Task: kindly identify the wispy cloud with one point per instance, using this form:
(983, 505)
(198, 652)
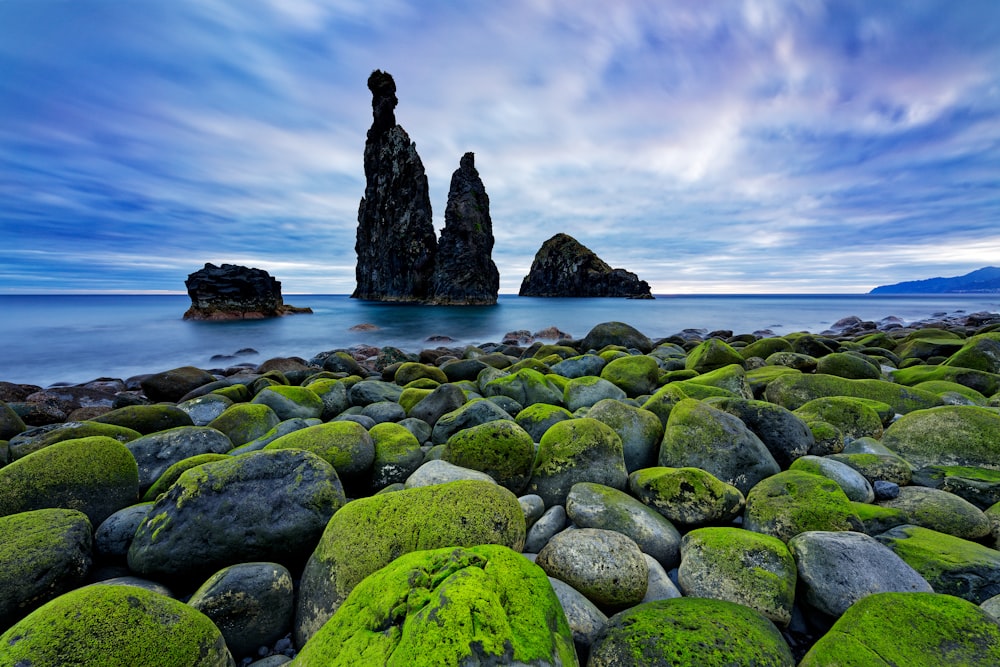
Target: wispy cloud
(756, 146)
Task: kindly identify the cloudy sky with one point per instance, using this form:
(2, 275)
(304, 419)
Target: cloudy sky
(754, 146)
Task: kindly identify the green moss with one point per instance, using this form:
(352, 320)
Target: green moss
(663, 401)
(525, 386)
(171, 474)
(700, 391)
(794, 502)
(447, 606)
(566, 441)
(940, 387)
(876, 519)
(635, 374)
(731, 378)
(563, 351)
(712, 354)
(874, 467)
(542, 365)
(73, 431)
(411, 396)
(345, 445)
(146, 418)
(501, 449)
(985, 383)
(963, 435)
(243, 422)
(111, 626)
(237, 393)
(854, 418)
(536, 419)
(688, 496)
(409, 371)
(914, 629)
(765, 347)
(422, 383)
(793, 391)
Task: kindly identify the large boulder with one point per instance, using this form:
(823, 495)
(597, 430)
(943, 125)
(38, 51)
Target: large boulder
(114, 626)
(953, 435)
(616, 333)
(345, 445)
(172, 385)
(640, 430)
(269, 506)
(688, 496)
(563, 267)
(40, 437)
(606, 566)
(156, 452)
(479, 605)
(368, 533)
(793, 502)
(794, 390)
(500, 448)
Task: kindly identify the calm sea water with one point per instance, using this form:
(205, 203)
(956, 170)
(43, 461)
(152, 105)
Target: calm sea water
(76, 338)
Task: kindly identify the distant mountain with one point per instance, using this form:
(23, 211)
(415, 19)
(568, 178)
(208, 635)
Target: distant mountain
(981, 281)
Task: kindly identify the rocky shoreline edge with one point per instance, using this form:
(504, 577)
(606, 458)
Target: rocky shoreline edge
(708, 498)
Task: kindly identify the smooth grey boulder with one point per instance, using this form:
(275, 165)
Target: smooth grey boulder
(576, 367)
(384, 411)
(852, 482)
(439, 471)
(551, 523)
(592, 505)
(533, 507)
(838, 568)
(367, 392)
(252, 604)
(442, 400)
(156, 452)
(700, 436)
(658, 584)
(283, 428)
(268, 505)
(289, 402)
(640, 430)
(607, 567)
(203, 409)
(783, 432)
(113, 537)
(584, 618)
(941, 511)
(583, 392)
(333, 393)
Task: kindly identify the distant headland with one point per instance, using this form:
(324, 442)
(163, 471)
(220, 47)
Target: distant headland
(981, 281)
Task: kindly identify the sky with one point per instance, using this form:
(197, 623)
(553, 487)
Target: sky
(755, 146)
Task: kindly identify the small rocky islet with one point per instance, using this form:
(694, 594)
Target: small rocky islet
(709, 498)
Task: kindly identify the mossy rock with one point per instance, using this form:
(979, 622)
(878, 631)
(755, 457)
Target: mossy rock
(711, 355)
(616, 333)
(37, 438)
(913, 629)
(635, 374)
(369, 533)
(283, 428)
(765, 347)
(476, 411)
(689, 631)
(345, 445)
(243, 422)
(501, 449)
(579, 366)
(961, 435)
(941, 511)
(703, 391)
(759, 378)
(944, 388)
(237, 393)
(577, 450)
(783, 432)
(11, 423)
(146, 418)
(740, 566)
(639, 429)
(45, 553)
(397, 454)
(535, 364)
(525, 386)
(664, 400)
(536, 419)
(986, 384)
(981, 353)
(875, 467)
(203, 409)
(114, 626)
(928, 345)
(333, 393)
(450, 606)
(732, 378)
(156, 452)
(171, 474)
(290, 402)
(794, 391)
(410, 371)
(96, 475)
(700, 436)
(979, 486)
(411, 396)
(792, 360)
(851, 365)
(793, 502)
(852, 482)
(687, 496)
(950, 564)
(854, 418)
(876, 519)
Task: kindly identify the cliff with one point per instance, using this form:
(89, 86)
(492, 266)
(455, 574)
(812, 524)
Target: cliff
(563, 267)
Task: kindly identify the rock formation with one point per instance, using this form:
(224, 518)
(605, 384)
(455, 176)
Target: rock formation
(464, 272)
(395, 241)
(563, 267)
(231, 292)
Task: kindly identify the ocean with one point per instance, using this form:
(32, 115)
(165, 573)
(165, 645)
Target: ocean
(51, 339)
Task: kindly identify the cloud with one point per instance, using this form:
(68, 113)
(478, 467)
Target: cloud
(741, 146)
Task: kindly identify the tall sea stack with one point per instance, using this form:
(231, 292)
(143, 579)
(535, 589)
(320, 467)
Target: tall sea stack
(395, 244)
(465, 273)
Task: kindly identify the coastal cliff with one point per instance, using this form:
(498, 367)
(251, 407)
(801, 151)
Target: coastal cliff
(563, 267)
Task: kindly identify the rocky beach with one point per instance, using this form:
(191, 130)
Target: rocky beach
(706, 498)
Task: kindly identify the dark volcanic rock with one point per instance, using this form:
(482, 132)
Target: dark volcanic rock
(231, 292)
(465, 273)
(564, 267)
(395, 243)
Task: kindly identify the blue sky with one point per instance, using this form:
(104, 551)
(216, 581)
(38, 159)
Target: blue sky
(749, 146)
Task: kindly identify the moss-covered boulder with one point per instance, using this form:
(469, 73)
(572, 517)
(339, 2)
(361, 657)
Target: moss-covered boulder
(146, 418)
(783, 432)
(663, 401)
(39, 437)
(953, 393)
(172, 385)
(793, 502)
(450, 606)
(370, 391)
(203, 409)
(689, 631)
(289, 401)
(476, 411)
(592, 505)
(876, 466)
(615, 333)
(731, 378)
(687, 496)
(333, 394)
(700, 436)
(156, 452)
(114, 626)
(96, 475)
(583, 392)
(635, 374)
(435, 403)
(981, 353)
(793, 391)
(45, 553)
(916, 629)
(765, 347)
(577, 450)
(11, 423)
(950, 564)
(941, 511)
(985, 383)
(243, 422)
(269, 505)
(640, 430)
(962, 435)
(252, 604)
(171, 474)
(605, 565)
(397, 454)
(536, 419)
(368, 533)
(501, 449)
(931, 343)
(740, 566)
(851, 365)
(345, 445)
(526, 386)
(853, 417)
(712, 354)
(409, 371)
(979, 486)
